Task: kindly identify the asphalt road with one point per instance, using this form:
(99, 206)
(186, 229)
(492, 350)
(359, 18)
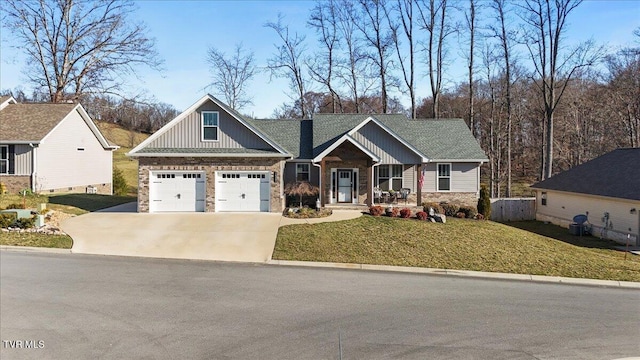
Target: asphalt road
(69, 306)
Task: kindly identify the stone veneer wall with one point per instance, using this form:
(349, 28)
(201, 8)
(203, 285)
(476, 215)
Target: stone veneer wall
(209, 166)
(16, 183)
(462, 198)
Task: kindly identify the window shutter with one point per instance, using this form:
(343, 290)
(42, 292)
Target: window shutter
(12, 159)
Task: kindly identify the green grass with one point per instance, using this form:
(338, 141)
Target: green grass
(458, 244)
(36, 240)
(76, 204)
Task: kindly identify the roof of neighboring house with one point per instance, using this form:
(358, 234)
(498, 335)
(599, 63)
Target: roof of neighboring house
(615, 174)
(4, 98)
(31, 122)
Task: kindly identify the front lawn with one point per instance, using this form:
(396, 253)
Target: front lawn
(36, 240)
(76, 204)
(458, 244)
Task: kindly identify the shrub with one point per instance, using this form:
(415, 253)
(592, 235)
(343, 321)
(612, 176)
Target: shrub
(484, 203)
(119, 183)
(376, 210)
(469, 211)
(436, 207)
(421, 215)
(26, 223)
(405, 213)
(7, 219)
(460, 215)
(15, 206)
(479, 217)
(449, 209)
(395, 212)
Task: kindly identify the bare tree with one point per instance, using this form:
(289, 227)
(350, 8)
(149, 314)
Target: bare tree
(554, 64)
(434, 19)
(378, 38)
(324, 19)
(287, 62)
(76, 47)
(404, 10)
(471, 21)
(505, 38)
(231, 75)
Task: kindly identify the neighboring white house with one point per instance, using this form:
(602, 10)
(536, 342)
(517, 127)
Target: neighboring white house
(210, 158)
(52, 148)
(606, 189)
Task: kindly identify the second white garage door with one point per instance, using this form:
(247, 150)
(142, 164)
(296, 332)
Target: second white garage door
(242, 191)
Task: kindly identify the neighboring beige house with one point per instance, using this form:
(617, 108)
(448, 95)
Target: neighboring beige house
(51, 148)
(210, 158)
(606, 189)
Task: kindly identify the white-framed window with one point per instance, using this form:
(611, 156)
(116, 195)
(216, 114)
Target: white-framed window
(209, 126)
(4, 159)
(302, 172)
(444, 177)
(543, 198)
(389, 177)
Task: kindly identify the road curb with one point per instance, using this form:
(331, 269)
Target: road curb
(463, 273)
(34, 249)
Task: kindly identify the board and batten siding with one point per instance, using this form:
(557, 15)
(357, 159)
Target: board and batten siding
(385, 146)
(60, 163)
(231, 133)
(290, 172)
(561, 207)
(22, 159)
(464, 177)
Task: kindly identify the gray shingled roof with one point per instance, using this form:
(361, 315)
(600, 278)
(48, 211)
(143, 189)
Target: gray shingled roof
(615, 174)
(31, 122)
(292, 135)
(148, 150)
(441, 139)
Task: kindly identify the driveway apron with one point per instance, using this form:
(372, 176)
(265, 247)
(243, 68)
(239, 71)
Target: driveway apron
(245, 237)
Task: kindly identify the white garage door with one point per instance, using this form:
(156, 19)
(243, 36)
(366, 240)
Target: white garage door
(176, 191)
(242, 191)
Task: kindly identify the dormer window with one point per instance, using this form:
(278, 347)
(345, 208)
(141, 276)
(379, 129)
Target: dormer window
(209, 128)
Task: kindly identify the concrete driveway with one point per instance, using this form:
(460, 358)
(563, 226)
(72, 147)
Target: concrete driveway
(245, 237)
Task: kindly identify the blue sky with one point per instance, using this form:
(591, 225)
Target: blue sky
(184, 30)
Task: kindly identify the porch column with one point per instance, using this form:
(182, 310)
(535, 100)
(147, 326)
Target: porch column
(322, 182)
(419, 191)
(369, 183)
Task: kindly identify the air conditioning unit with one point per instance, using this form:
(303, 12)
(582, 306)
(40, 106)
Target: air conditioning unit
(92, 190)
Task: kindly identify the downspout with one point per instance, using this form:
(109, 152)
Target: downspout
(33, 167)
(319, 181)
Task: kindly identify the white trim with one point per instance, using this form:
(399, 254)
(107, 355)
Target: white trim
(391, 177)
(438, 177)
(423, 157)
(202, 126)
(355, 182)
(208, 155)
(339, 142)
(5, 103)
(191, 109)
(481, 161)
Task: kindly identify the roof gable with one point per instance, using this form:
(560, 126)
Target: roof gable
(242, 134)
(615, 174)
(32, 123)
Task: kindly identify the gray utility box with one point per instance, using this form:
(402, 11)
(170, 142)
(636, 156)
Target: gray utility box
(577, 229)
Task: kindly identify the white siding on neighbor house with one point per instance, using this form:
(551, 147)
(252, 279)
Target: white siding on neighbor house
(22, 159)
(564, 206)
(59, 163)
(464, 177)
(231, 133)
(385, 146)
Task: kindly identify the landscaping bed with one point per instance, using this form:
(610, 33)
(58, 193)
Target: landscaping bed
(464, 244)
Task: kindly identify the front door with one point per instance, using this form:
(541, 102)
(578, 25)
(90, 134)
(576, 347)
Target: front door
(345, 186)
